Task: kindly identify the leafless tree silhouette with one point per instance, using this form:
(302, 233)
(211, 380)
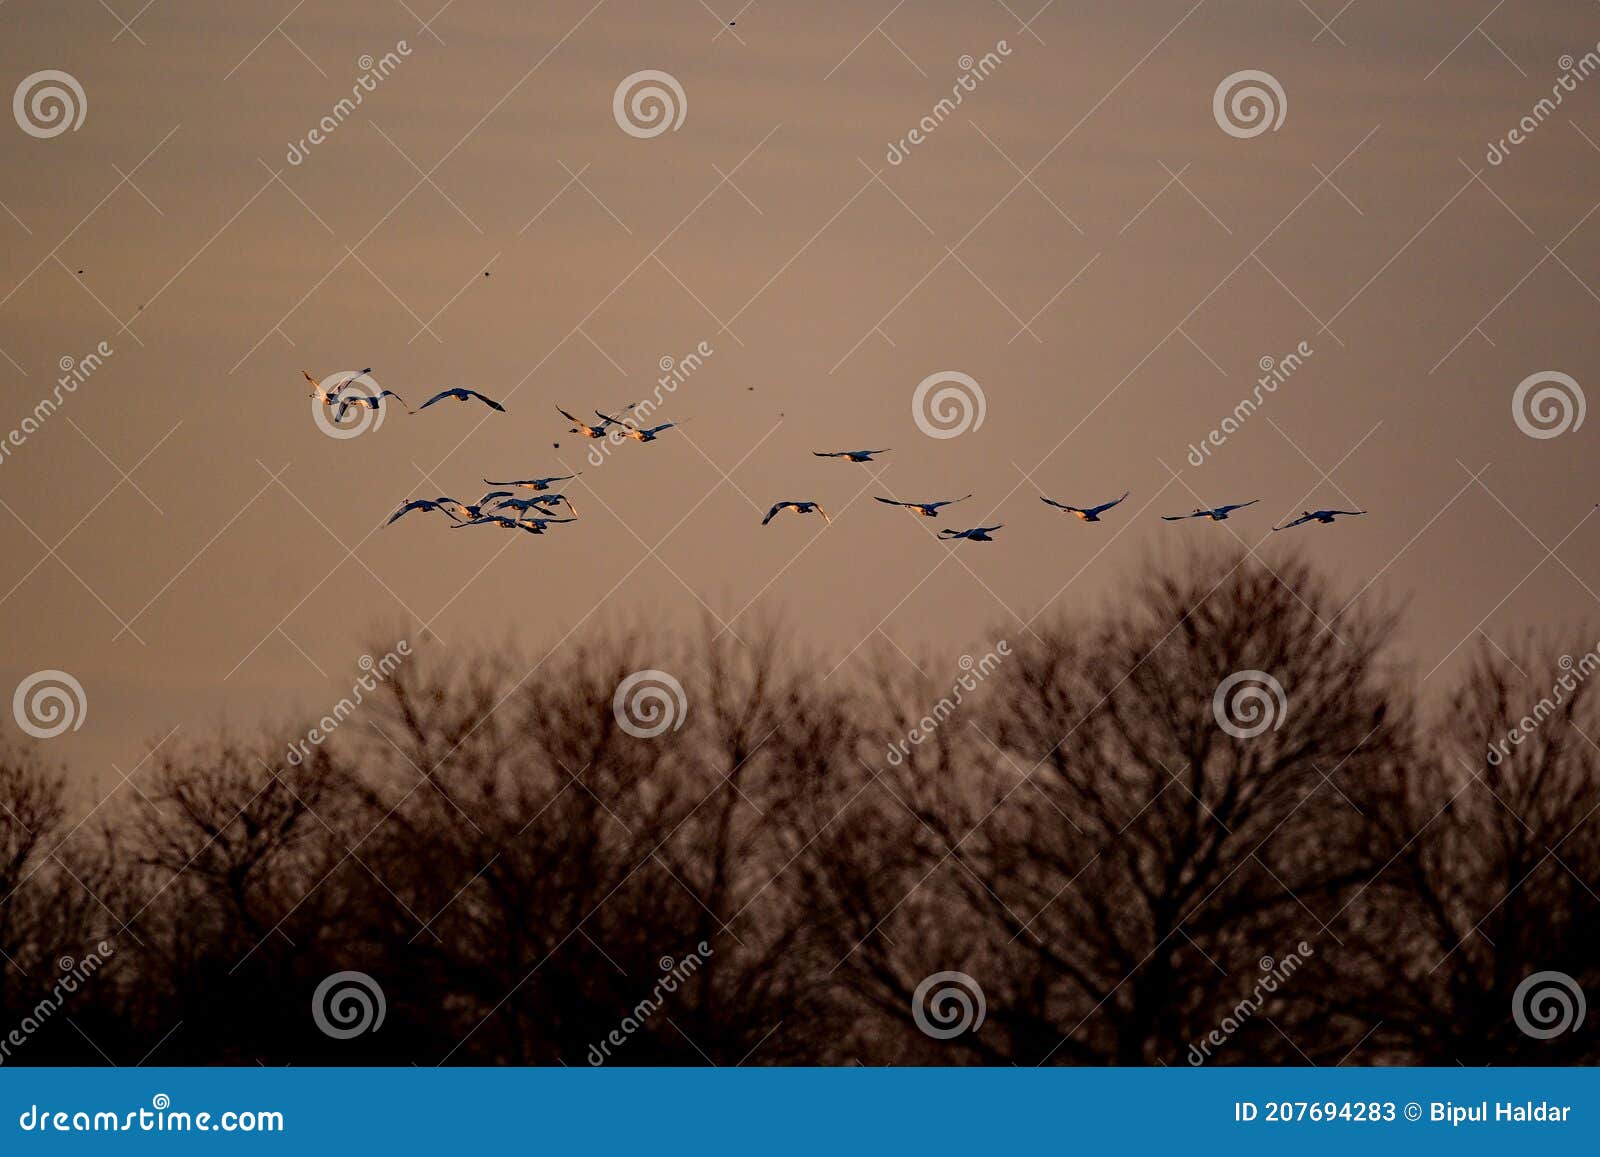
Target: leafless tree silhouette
(1211, 823)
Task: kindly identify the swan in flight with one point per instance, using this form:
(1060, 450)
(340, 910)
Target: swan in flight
(448, 505)
(926, 509)
(1324, 516)
(974, 534)
(322, 394)
(1216, 513)
(531, 525)
(1086, 513)
(371, 401)
(637, 433)
(533, 483)
(581, 427)
(461, 394)
(539, 502)
(851, 455)
(798, 507)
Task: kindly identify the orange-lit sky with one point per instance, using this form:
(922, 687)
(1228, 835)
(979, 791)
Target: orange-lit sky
(1080, 236)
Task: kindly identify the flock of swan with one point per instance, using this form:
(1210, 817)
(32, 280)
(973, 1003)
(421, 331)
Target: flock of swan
(508, 510)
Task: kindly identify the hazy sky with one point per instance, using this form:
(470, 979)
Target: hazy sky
(1080, 236)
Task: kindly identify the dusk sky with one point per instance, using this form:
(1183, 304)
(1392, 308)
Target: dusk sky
(1080, 236)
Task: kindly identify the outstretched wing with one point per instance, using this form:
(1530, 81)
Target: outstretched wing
(1347, 512)
(895, 502)
(439, 397)
(568, 416)
(1294, 522)
(1179, 517)
(773, 513)
(1237, 506)
(487, 401)
(1058, 505)
(831, 453)
(948, 502)
(414, 504)
(1104, 506)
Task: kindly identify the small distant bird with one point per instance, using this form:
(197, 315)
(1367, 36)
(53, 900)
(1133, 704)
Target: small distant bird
(975, 534)
(851, 455)
(926, 509)
(1086, 513)
(798, 508)
(461, 394)
(448, 506)
(1216, 513)
(637, 433)
(371, 401)
(532, 483)
(1325, 516)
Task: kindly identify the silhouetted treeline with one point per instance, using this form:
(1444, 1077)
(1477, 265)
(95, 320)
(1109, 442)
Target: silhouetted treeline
(1367, 869)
